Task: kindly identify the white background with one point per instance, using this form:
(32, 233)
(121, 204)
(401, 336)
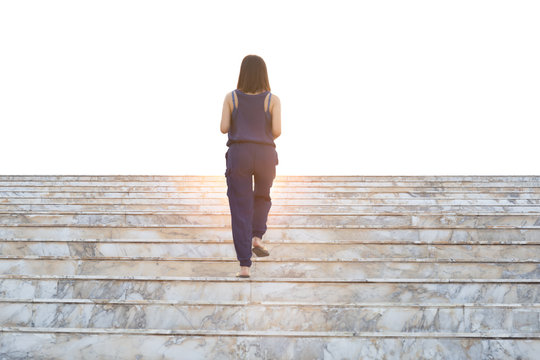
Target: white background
(367, 88)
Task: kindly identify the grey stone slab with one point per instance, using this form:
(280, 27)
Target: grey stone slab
(275, 234)
(290, 220)
(274, 193)
(221, 200)
(276, 208)
(276, 188)
(407, 319)
(292, 182)
(280, 251)
(287, 269)
(267, 289)
(218, 177)
(103, 346)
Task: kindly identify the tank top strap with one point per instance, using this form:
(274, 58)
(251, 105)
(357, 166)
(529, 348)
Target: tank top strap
(268, 106)
(233, 103)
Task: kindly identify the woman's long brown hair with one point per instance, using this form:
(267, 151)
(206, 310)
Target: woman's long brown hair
(253, 75)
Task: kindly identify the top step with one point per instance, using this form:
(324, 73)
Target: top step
(279, 178)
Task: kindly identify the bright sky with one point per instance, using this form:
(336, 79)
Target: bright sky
(367, 87)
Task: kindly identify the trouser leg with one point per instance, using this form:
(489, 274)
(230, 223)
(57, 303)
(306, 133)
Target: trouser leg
(240, 194)
(265, 172)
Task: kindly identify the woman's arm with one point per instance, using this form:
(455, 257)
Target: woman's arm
(226, 114)
(275, 110)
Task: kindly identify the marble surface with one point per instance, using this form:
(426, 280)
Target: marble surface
(278, 191)
(134, 180)
(218, 199)
(91, 346)
(361, 267)
(281, 251)
(275, 233)
(501, 320)
(278, 207)
(269, 289)
(310, 178)
(288, 268)
(294, 194)
(289, 220)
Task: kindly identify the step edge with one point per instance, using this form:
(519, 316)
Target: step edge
(267, 303)
(272, 260)
(266, 333)
(268, 280)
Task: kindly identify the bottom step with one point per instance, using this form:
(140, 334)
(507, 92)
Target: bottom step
(24, 345)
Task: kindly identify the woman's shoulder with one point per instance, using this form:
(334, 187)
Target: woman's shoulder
(235, 91)
(275, 99)
(229, 96)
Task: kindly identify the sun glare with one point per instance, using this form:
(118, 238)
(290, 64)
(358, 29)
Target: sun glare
(416, 87)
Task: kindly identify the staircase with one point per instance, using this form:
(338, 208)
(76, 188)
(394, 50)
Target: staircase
(360, 267)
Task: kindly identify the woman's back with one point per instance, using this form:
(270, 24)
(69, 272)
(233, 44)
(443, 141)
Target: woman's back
(251, 119)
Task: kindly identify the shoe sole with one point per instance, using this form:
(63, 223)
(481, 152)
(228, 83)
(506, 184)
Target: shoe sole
(259, 251)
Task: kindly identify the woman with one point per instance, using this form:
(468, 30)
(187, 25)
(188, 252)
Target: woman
(252, 118)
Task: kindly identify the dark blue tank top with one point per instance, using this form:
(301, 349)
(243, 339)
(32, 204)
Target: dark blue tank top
(250, 121)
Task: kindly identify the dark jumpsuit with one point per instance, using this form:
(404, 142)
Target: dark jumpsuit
(252, 153)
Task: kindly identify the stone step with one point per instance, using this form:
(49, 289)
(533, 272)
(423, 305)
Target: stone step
(269, 333)
(299, 209)
(164, 203)
(307, 178)
(278, 183)
(275, 234)
(54, 314)
(276, 188)
(261, 289)
(279, 250)
(281, 268)
(195, 199)
(276, 211)
(24, 343)
(435, 195)
(168, 219)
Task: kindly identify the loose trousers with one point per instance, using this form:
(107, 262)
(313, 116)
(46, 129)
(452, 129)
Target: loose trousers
(249, 205)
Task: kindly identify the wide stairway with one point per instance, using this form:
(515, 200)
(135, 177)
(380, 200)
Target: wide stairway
(360, 267)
